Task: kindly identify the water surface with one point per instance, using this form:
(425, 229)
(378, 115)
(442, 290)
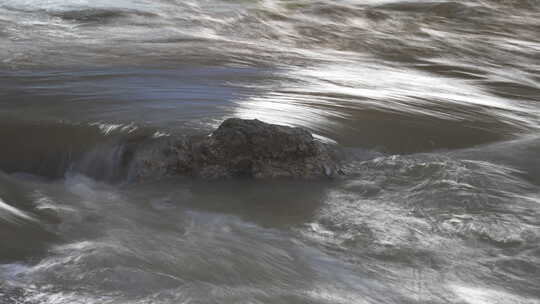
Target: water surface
(434, 102)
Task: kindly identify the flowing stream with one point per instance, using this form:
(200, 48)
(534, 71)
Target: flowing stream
(437, 104)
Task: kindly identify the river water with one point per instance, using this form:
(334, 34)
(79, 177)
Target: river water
(436, 104)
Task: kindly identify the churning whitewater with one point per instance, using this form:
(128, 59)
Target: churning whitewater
(434, 106)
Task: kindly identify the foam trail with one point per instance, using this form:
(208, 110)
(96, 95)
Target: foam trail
(14, 211)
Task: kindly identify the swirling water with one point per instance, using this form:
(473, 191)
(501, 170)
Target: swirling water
(435, 103)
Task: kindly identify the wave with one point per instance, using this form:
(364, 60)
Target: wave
(51, 150)
(261, 31)
(438, 213)
(23, 225)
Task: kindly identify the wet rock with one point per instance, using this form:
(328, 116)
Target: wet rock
(239, 148)
(161, 157)
(256, 149)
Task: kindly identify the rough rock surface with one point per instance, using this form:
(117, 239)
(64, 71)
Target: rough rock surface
(238, 148)
(161, 157)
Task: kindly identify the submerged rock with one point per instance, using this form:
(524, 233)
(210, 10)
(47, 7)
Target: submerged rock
(238, 148)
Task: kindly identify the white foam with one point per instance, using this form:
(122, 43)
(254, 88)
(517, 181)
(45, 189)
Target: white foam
(12, 211)
(479, 295)
(59, 5)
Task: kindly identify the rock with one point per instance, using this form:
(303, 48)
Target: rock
(161, 157)
(252, 148)
(238, 148)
